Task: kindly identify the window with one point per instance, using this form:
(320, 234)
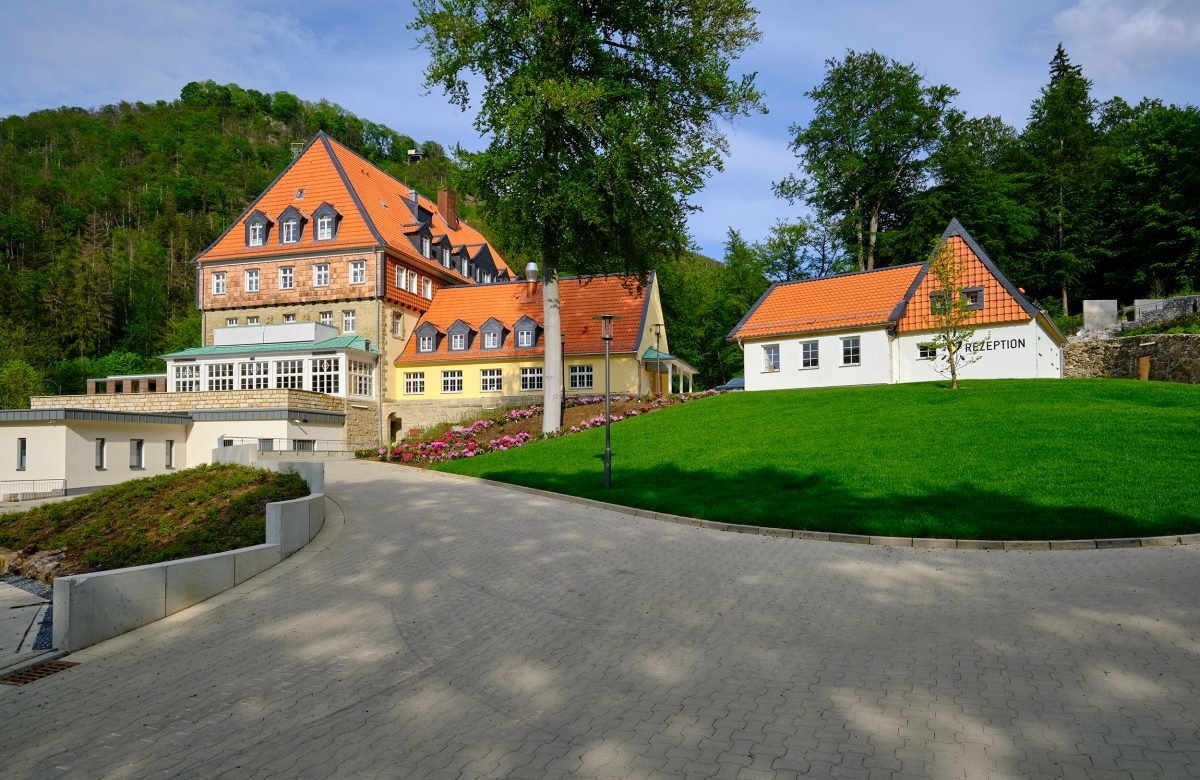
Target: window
(452, 382)
(252, 320)
(426, 288)
(810, 356)
(218, 282)
(581, 377)
(531, 379)
(412, 282)
(220, 376)
(254, 375)
(101, 461)
(458, 341)
(491, 339)
(414, 382)
(22, 453)
(397, 326)
(362, 378)
(851, 354)
(256, 234)
(137, 449)
(425, 245)
(289, 318)
(252, 280)
(321, 275)
(525, 338)
(187, 379)
(290, 231)
(771, 358)
(170, 455)
(326, 375)
(402, 278)
(491, 380)
(358, 272)
(446, 256)
(324, 227)
(231, 322)
(289, 374)
(287, 278)
(348, 321)
(425, 344)
(973, 298)
(326, 318)
(938, 303)
(927, 352)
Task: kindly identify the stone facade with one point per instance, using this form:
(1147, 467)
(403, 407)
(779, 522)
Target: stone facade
(303, 289)
(403, 416)
(164, 403)
(1174, 357)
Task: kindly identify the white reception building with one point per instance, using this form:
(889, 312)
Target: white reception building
(874, 327)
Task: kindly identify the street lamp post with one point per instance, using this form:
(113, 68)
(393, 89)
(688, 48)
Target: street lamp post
(606, 333)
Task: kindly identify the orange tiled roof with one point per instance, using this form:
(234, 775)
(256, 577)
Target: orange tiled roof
(582, 299)
(373, 206)
(850, 300)
(898, 295)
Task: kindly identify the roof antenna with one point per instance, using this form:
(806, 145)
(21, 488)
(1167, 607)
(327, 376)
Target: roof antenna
(297, 147)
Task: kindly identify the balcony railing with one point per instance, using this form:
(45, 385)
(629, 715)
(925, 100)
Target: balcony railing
(27, 489)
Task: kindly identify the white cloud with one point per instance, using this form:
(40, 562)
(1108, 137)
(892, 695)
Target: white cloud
(1117, 40)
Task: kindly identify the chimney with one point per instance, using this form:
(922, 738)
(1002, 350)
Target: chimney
(448, 205)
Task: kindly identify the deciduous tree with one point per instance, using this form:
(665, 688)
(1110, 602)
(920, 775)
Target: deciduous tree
(602, 122)
(951, 313)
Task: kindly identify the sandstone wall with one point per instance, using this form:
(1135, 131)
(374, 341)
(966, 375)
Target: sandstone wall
(1174, 357)
(162, 403)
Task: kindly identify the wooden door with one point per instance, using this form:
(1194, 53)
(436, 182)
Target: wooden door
(1144, 367)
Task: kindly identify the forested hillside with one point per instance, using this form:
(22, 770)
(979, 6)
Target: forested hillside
(101, 210)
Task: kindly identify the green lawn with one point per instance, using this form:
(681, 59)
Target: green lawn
(1014, 459)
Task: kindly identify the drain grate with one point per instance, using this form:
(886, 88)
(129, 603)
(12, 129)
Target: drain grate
(36, 672)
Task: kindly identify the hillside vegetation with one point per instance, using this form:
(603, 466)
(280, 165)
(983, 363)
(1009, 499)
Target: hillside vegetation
(198, 511)
(1005, 459)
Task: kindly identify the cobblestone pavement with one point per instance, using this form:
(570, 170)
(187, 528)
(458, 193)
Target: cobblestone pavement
(452, 629)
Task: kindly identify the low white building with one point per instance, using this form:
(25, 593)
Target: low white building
(875, 327)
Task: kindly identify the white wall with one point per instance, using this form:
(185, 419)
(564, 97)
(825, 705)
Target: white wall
(875, 367)
(1009, 351)
(204, 434)
(1050, 355)
(80, 449)
(44, 450)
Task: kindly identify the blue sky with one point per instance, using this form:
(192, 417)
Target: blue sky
(362, 56)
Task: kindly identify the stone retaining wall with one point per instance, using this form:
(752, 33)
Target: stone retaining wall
(1174, 357)
(161, 403)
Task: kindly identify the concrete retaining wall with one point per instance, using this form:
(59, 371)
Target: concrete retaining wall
(89, 608)
(313, 471)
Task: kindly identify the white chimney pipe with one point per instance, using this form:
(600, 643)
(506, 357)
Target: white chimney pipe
(531, 271)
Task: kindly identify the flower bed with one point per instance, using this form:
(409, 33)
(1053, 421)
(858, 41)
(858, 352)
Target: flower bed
(475, 439)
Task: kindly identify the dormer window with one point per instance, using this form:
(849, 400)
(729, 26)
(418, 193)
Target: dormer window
(290, 232)
(325, 218)
(425, 344)
(425, 246)
(525, 338)
(446, 256)
(258, 227)
(491, 340)
(458, 341)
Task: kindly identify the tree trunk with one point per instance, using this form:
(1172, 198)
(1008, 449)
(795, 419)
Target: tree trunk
(858, 230)
(552, 369)
(874, 231)
(1066, 311)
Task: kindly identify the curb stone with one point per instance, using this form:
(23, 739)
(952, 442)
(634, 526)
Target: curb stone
(1015, 545)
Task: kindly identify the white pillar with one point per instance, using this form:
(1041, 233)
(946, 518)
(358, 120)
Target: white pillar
(670, 379)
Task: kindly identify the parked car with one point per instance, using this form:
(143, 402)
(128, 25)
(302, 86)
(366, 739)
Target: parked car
(737, 383)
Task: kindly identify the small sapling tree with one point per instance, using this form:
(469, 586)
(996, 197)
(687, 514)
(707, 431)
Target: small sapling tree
(952, 309)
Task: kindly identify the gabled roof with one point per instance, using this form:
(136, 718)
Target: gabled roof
(508, 302)
(846, 301)
(897, 296)
(376, 209)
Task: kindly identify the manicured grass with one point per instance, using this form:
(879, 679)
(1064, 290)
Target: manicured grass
(1013, 459)
(198, 511)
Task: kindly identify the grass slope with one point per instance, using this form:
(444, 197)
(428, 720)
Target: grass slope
(198, 511)
(1014, 459)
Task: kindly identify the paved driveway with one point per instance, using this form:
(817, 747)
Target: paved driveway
(452, 629)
